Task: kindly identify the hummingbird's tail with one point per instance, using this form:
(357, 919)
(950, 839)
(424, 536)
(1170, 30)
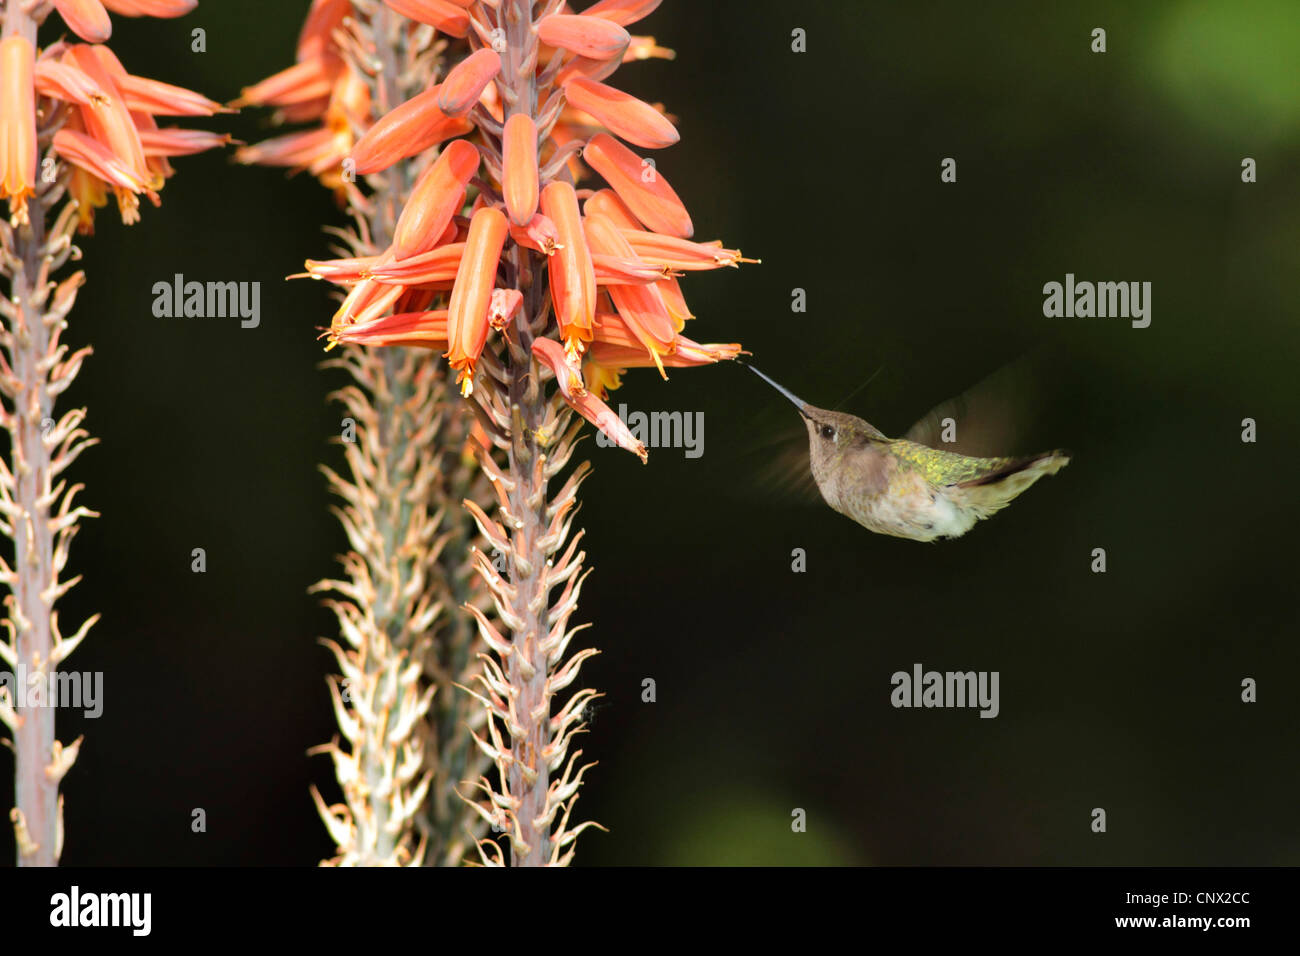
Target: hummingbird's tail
(799, 402)
(994, 490)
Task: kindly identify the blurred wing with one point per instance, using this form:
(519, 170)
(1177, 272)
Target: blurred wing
(788, 476)
(988, 419)
(781, 470)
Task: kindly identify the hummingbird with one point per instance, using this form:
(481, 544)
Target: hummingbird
(903, 488)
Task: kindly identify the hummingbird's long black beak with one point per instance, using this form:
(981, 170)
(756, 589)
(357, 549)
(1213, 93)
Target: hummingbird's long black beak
(799, 403)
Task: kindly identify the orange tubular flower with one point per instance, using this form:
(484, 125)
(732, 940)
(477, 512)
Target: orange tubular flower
(674, 253)
(605, 202)
(435, 266)
(151, 8)
(689, 354)
(624, 270)
(160, 99)
(505, 304)
(519, 164)
(113, 109)
(94, 157)
(61, 81)
(671, 290)
(367, 300)
(447, 16)
(591, 37)
(567, 375)
(316, 39)
(111, 124)
(640, 186)
(617, 346)
(637, 122)
(466, 82)
(338, 270)
(303, 89)
(641, 306)
(573, 277)
(322, 88)
(439, 195)
(109, 116)
(538, 234)
(17, 125)
(86, 18)
(424, 329)
(583, 401)
(411, 128)
(621, 252)
(471, 297)
(173, 141)
(308, 82)
(320, 151)
(622, 12)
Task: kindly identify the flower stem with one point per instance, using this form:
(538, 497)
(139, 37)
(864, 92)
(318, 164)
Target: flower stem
(538, 779)
(408, 567)
(529, 776)
(37, 798)
(38, 514)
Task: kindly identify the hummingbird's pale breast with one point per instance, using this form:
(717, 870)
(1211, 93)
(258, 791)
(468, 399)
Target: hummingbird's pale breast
(871, 486)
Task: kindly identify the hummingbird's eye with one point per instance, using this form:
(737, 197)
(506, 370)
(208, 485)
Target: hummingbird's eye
(828, 432)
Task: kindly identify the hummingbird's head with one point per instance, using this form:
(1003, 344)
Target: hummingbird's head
(831, 435)
(843, 449)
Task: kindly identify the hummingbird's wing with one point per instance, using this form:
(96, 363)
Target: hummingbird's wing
(784, 472)
(986, 419)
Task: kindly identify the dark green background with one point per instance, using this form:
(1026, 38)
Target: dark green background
(1118, 690)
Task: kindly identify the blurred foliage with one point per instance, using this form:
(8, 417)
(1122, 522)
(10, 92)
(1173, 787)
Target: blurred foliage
(744, 828)
(1232, 66)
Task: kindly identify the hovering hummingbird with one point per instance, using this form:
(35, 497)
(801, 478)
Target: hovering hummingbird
(902, 488)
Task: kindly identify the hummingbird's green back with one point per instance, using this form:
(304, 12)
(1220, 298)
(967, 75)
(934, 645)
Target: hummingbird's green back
(942, 468)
